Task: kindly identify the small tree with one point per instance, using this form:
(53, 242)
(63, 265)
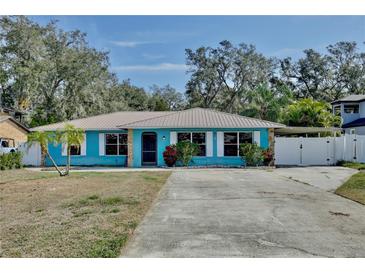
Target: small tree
(44, 139)
(70, 136)
(185, 151)
(252, 154)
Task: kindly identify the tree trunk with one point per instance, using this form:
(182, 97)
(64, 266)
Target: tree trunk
(55, 165)
(68, 159)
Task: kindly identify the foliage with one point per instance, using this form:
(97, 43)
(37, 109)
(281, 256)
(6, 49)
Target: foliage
(267, 103)
(354, 165)
(185, 151)
(327, 76)
(11, 160)
(222, 77)
(166, 98)
(44, 139)
(170, 155)
(252, 154)
(310, 113)
(268, 156)
(70, 136)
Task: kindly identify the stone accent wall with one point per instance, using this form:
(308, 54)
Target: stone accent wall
(130, 147)
(272, 143)
(8, 129)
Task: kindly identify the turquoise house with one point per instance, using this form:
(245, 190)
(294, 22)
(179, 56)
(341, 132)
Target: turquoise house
(139, 138)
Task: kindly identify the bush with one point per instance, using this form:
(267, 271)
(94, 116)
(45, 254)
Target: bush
(185, 151)
(268, 156)
(252, 154)
(11, 160)
(170, 155)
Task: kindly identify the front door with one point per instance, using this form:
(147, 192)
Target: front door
(149, 149)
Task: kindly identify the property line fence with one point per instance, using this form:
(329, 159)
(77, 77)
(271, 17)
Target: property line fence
(319, 150)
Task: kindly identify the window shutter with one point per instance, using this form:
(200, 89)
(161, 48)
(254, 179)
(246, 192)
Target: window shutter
(209, 143)
(220, 144)
(256, 137)
(101, 144)
(83, 147)
(64, 149)
(173, 137)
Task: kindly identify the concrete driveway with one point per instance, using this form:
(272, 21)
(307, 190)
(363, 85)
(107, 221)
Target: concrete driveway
(249, 213)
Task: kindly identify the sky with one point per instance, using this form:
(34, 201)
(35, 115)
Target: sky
(151, 49)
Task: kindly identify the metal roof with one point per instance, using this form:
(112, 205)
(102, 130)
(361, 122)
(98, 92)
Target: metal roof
(351, 98)
(201, 118)
(104, 121)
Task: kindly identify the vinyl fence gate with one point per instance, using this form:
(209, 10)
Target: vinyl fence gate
(319, 150)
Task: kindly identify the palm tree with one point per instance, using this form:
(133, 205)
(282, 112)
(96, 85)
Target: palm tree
(266, 103)
(70, 136)
(44, 139)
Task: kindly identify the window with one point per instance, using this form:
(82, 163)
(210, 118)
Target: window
(232, 141)
(351, 108)
(75, 150)
(116, 144)
(337, 110)
(196, 138)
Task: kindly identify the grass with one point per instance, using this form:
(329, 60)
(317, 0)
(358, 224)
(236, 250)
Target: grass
(82, 215)
(358, 166)
(354, 188)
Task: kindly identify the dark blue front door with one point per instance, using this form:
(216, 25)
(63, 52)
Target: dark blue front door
(149, 149)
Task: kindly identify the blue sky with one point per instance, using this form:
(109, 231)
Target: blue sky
(151, 49)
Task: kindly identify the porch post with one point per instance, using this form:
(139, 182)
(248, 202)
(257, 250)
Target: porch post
(272, 144)
(130, 147)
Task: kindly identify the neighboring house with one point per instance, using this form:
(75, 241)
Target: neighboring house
(12, 131)
(352, 111)
(138, 138)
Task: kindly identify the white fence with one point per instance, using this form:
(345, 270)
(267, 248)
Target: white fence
(31, 154)
(319, 150)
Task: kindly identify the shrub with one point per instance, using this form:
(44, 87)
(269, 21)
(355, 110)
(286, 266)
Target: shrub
(268, 156)
(252, 154)
(185, 151)
(11, 160)
(170, 155)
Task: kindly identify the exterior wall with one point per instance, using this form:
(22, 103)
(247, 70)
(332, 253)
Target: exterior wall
(349, 117)
(92, 157)
(163, 140)
(10, 130)
(358, 130)
(362, 109)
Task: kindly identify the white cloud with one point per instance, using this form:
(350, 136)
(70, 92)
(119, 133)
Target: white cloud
(152, 68)
(131, 44)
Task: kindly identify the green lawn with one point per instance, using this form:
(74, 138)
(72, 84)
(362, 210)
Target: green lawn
(354, 188)
(82, 215)
(358, 166)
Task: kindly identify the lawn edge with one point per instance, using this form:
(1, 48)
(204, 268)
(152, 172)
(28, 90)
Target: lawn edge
(148, 212)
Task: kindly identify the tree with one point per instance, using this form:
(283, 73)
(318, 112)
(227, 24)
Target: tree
(326, 77)
(166, 98)
(52, 74)
(222, 77)
(44, 139)
(70, 136)
(267, 103)
(310, 113)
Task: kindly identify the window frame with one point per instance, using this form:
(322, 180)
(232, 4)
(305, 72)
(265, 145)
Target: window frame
(354, 106)
(191, 140)
(118, 144)
(238, 142)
